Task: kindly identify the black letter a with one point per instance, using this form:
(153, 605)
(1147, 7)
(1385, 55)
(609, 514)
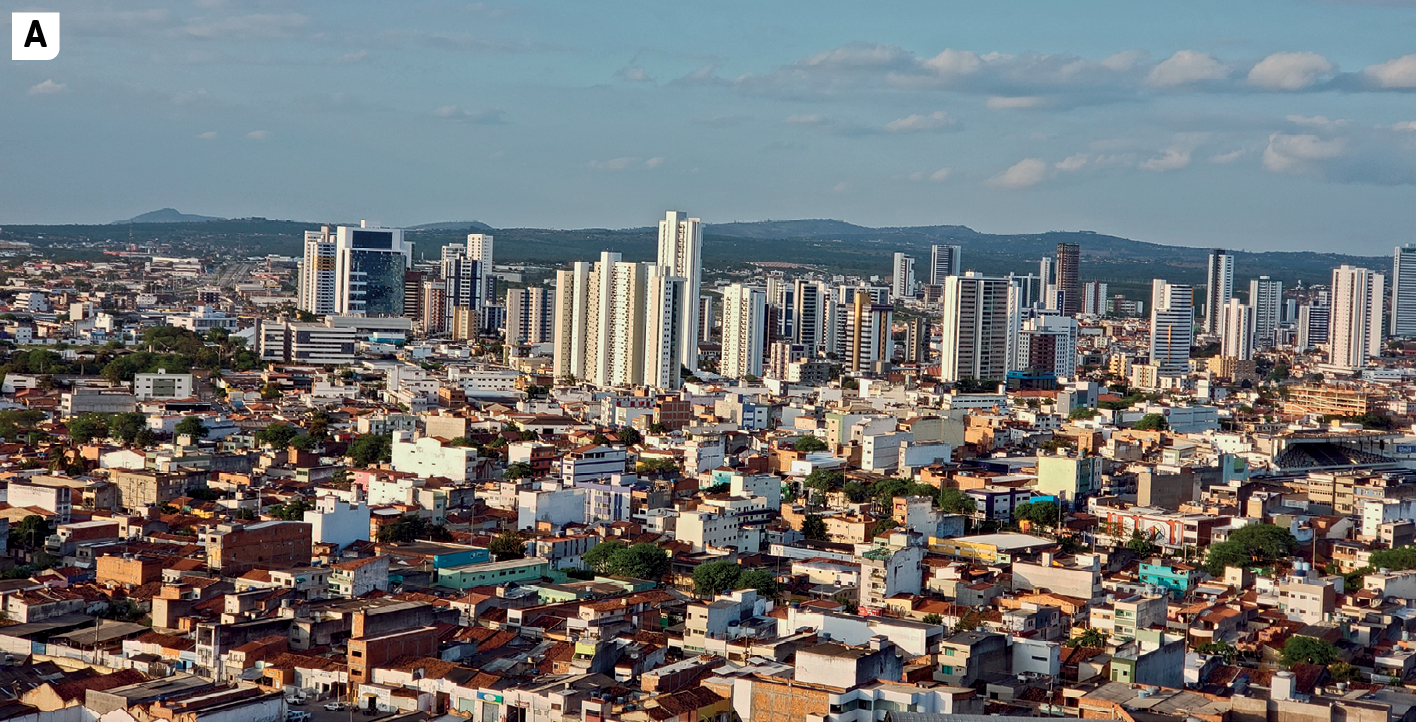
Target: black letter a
(36, 35)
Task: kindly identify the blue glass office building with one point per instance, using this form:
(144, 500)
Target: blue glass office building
(370, 263)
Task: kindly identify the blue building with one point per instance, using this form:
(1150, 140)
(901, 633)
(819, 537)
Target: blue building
(1178, 578)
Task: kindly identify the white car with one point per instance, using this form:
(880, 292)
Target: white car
(334, 706)
(297, 715)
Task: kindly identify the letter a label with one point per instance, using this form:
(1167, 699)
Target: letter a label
(34, 36)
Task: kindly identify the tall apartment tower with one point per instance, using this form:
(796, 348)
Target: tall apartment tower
(1219, 288)
(917, 335)
(744, 320)
(318, 281)
(434, 309)
(943, 263)
(705, 319)
(1094, 298)
(1236, 332)
(903, 279)
(813, 314)
(1172, 327)
(572, 321)
(663, 327)
(681, 251)
(1403, 290)
(1314, 321)
(479, 249)
(1355, 331)
(1047, 342)
(530, 315)
(1266, 305)
(369, 265)
(980, 328)
(1069, 258)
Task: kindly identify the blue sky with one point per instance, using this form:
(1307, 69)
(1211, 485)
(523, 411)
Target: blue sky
(1256, 125)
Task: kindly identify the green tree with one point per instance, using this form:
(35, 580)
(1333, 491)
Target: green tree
(1142, 544)
(953, 501)
(293, 510)
(1308, 650)
(1084, 412)
(629, 436)
(825, 480)
(507, 546)
(29, 533)
(271, 391)
(125, 427)
(639, 561)
(1225, 554)
(933, 618)
(370, 450)
(1152, 422)
(761, 580)
(192, 426)
(1040, 513)
(655, 427)
(87, 427)
(1396, 559)
(518, 470)
(855, 492)
(598, 556)
(814, 527)
(1266, 542)
(657, 466)
(1088, 638)
(1220, 649)
(809, 443)
(715, 577)
(304, 442)
(276, 435)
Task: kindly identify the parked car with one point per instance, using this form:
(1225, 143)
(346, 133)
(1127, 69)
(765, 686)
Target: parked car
(335, 706)
(297, 715)
(295, 700)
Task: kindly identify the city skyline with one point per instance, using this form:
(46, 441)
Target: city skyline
(1288, 133)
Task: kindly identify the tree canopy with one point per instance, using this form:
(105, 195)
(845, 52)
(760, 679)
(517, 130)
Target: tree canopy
(716, 577)
(507, 546)
(1254, 544)
(1308, 650)
(814, 527)
(809, 443)
(1152, 422)
(370, 450)
(639, 561)
(192, 426)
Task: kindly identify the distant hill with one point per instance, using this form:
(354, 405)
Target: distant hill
(474, 226)
(168, 215)
(786, 229)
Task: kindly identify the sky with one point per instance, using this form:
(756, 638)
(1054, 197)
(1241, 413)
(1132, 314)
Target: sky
(1261, 125)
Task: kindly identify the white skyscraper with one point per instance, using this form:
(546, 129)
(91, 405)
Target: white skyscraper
(1047, 342)
(663, 327)
(369, 267)
(903, 279)
(319, 283)
(943, 262)
(744, 321)
(1236, 331)
(530, 314)
(1094, 298)
(1355, 328)
(1403, 291)
(980, 328)
(681, 251)
(1219, 288)
(1172, 327)
(813, 315)
(1266, 305)
(479, 249)
(572, 321)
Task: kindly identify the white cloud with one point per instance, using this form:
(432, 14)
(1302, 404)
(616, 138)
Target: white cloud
(627, 163)
(1405, 125)
(938, 176)
(1289, 71)
(264, 25)
(1395, 73)
(1185, 67)
(999, 102)
(841, 187)
(1169, 159)
(1230, 157)
(258, 135)
(1026, 172)
(48, 87)
(918, 123)
(812, 119)
(1125, 60)
(351, 58)
(1317, 121)
(954, 62)
(632, 74)
(482, 116)
(209, 135)
(1073, 162)
(1292, 153)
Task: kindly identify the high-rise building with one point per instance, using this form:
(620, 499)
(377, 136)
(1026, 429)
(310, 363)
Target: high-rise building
(903, 279)
(1172, 327)
(863, 316)
(917, 340)
(530, 315)
(479, 249)
(413, 293)
(1236, 332)
(1047, 343)
(1266, 307)
(781, 355)
(744, 316)
(1403, 291)
(1355, 329)
(1094, 298)
(618, 323)
(369, 266)
(1032, 290)
(1069, 258)
(1219, 288)
(663, 327)
(434, 311)
(462, 275)
(781, 307)
(318, 281)
(943, 263)
(681, 251)
(813, 313)
(1314, 320)
(979, 328)
(705, 319)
